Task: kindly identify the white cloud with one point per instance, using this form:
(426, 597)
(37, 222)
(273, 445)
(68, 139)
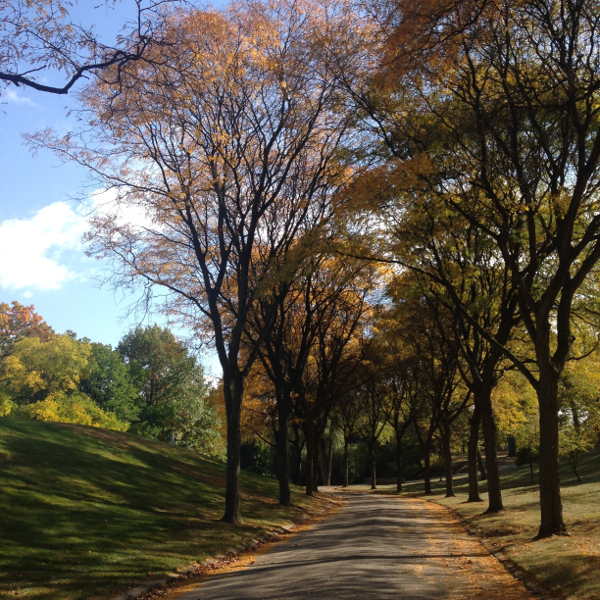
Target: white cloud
(34, 251)
(13, 97)
(107, 203)
(31, 250)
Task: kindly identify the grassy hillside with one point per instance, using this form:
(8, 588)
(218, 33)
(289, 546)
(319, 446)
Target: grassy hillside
(569, 564)
(86, 512)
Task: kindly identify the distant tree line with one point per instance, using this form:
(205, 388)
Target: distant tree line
(149, 384)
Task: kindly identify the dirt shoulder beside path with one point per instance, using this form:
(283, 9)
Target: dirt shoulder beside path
(375, 547)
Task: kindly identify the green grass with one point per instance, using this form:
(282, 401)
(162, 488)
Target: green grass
(569, 564)
(86, 512)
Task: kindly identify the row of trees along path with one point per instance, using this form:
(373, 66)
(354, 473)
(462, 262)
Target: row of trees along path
(451, 155)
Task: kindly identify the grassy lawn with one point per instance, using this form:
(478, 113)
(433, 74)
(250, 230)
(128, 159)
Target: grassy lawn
(569, 564)
(86, 513)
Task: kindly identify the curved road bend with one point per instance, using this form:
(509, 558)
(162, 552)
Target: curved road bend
(374, 548)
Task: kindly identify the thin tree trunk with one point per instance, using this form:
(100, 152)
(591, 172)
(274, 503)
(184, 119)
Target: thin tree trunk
(316, 460)
(482, 473)
(491, 455)
(474, 424)
(346, 461)
(283, 465)
(448, 461)
(330, 458)
(373, 466)
(550, 500)
(399, 465)
(310, 461)
(296, 457)
(574, 462)
(322, 467)
(427, 469)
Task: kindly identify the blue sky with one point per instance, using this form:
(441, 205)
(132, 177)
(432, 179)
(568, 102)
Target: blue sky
(42, 257)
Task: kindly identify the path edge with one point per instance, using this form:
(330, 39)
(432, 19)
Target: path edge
(202, 568)
(531, 582)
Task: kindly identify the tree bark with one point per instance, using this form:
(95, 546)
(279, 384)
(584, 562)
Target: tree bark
(316, 460)
(448, 461)
(330, 457)
(346, 466)
(322, 464)
(310, 461)
(427, 469)
(481, 464)
(373, 466)
(399, 465)
(233, 387)
(531, 477)
(512, 446)
(491, 455)
(474, 424)
(550, 501)
(296, 457)
(232, 488)
(283, 463)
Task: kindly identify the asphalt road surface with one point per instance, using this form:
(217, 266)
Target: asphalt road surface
(373, 548)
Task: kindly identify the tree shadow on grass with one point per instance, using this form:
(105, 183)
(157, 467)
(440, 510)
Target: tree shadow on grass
(87, 511)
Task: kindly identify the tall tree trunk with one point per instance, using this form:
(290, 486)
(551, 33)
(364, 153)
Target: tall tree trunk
(346, 466)
(310, 460)
(234, 391)
(512, 446)
(283, 463)
(482, 472)
(296, 456)
(427, 468)
(399, 465)
(531, 477)
(322, 464)
(550, 500)
(330, 457)
(491, 454)
(373, 466)
(474, 424)
(448, 460)
(316, 460)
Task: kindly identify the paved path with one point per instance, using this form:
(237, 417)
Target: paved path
(374, 548)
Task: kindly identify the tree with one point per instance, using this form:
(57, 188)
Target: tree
(423, 324)
(579, 393)
(109, 383)
(398, 374)
(37, 369)
(39, 39)
(226, 145)
(372, 419)
(171, 388)
(41, 380)
(304, 307)
(347, 413)
(18, 322)
(342, 321)
(508, 94)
